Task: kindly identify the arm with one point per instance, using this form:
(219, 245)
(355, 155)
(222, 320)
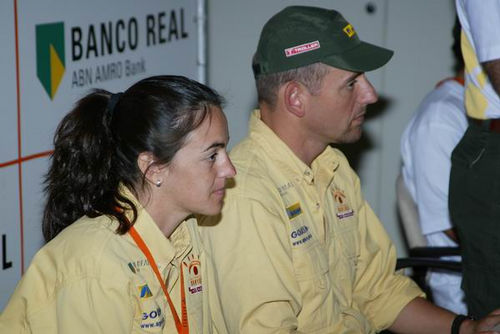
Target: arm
(379, 292)
(483, 17)
(439, 128)
(422, 317)
(48, 301)
(492, 69)
(91, 306)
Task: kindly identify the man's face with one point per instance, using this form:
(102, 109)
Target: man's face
(336, 114)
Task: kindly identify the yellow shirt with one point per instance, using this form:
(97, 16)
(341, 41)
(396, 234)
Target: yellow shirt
(91, 280)
(298, 249)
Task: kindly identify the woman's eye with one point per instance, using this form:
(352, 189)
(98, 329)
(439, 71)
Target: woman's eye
(212, 157)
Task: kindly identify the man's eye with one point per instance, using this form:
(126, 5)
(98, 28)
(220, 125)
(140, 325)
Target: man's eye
(351, 84)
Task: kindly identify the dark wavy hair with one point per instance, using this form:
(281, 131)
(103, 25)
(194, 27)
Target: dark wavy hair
(96, 147)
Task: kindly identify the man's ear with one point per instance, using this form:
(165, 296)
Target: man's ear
(295, 98)
(151, 171)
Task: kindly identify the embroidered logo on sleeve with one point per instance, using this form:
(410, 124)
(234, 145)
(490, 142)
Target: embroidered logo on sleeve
(294, 210)
(341, 204)
(193, 265)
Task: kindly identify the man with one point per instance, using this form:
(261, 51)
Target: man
(475, 173)
(426, 146)
(298, 250)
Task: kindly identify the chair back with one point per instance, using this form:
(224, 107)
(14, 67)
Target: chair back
(409, 215)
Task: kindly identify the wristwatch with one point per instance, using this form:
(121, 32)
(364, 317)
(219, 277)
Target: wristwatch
(457, 322)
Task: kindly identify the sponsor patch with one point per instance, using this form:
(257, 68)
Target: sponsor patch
(349, 30)
(306, 47)
(300, 236)
(144, 291)
(283, 189)
(299, 232)
(294, 210)
(152, 319)
(341, 204)
(135, 266)
(193, 265)
(303, 240)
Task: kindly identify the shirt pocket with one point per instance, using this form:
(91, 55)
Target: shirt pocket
(311, 265)
(348, 246)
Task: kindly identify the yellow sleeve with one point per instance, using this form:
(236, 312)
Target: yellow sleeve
(255, 280)
(83, 305)
(93, 306)
(379, 291)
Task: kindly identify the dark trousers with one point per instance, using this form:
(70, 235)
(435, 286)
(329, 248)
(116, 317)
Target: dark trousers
(474, 202)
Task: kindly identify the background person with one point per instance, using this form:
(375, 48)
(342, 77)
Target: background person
(296, 247)
(126, 172)
(426, 146)
(475, 172)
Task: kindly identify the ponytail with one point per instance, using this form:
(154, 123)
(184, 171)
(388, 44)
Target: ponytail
(80, 180)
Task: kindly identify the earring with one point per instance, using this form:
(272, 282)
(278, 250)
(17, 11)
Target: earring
(158, 183)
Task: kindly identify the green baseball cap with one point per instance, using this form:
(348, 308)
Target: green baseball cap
(299, 35)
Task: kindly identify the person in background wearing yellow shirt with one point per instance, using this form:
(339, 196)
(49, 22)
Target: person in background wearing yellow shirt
(127, 172)
(296, 247)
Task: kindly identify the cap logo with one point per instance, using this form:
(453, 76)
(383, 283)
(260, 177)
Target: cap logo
(349, 30)
(306, 47)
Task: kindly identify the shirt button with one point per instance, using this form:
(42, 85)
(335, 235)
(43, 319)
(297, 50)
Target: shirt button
(317, 205)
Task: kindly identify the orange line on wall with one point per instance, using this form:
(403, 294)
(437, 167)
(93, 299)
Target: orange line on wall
(19, 155)
(26, 158)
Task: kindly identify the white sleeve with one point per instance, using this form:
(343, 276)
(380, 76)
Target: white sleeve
(483, 18)
(434, 141)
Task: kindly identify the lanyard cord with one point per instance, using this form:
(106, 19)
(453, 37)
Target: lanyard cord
(182, 328)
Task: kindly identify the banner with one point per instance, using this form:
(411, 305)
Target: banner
(55, 52)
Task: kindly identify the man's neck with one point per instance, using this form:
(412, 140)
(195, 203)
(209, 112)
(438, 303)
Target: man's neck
(288, 128)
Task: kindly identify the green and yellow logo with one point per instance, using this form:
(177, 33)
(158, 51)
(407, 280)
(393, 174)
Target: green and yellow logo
(50, 63)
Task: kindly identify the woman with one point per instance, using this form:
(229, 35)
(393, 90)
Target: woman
(127, 170)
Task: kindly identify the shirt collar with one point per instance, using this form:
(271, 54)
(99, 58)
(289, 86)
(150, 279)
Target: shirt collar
(163, 249)
(280, 151)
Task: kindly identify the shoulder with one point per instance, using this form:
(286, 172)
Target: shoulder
(441, 108)
(85, 236)
(88, 248)
(254, 178)
(83, 253)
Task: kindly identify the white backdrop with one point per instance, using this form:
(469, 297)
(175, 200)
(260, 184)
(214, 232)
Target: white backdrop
(53, 53)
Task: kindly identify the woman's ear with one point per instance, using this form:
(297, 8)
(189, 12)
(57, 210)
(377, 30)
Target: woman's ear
(294, 98)
(151, 171)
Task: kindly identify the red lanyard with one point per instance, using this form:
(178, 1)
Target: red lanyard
(182, 328)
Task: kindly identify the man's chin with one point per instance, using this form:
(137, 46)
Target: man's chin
(352, 136)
